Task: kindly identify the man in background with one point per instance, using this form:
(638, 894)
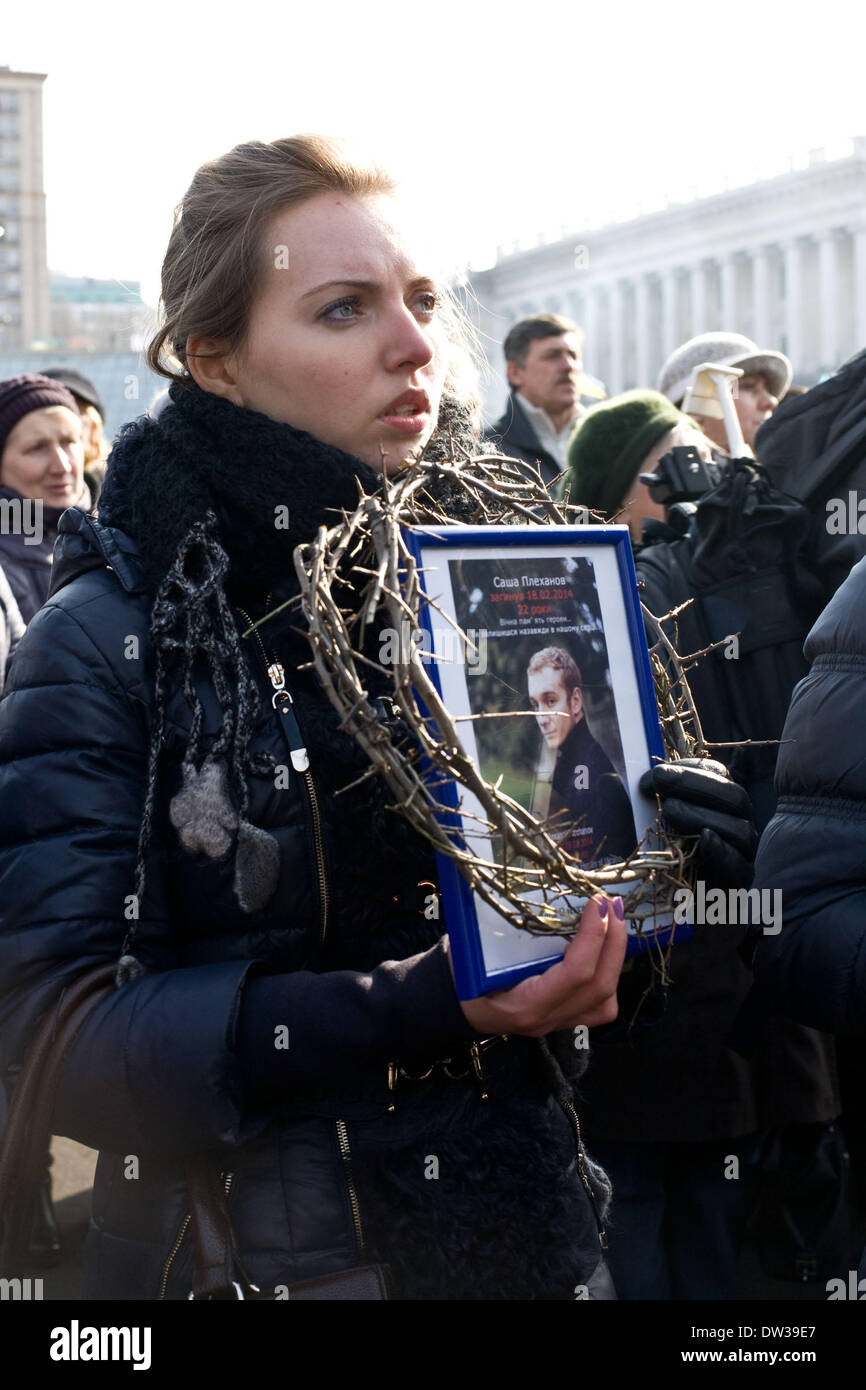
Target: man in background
(544, 361)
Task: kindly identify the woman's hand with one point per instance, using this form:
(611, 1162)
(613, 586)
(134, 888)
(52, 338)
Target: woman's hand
(581, 988)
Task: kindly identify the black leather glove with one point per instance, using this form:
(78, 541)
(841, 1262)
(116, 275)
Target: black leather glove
(699, 797)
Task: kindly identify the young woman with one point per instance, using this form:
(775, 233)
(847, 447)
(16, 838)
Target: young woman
(157, 808)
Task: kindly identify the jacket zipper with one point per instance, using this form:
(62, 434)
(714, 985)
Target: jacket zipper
(346, 1155)
(178, 1242)
(283, 703)
(581, 1168)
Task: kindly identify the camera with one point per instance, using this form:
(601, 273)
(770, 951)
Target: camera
(681, 479)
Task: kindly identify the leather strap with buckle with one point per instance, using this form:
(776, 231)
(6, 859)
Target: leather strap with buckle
(472, 1060)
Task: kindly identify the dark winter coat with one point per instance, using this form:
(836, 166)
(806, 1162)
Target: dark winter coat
(680, 1080)
(813, 849)
(11, 626)
(745, 573)
(513, 435)
(262, 1039)
(586, 782)
(814, 447)
(26, 559)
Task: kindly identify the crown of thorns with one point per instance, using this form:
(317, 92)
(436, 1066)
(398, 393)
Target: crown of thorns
(361, 569)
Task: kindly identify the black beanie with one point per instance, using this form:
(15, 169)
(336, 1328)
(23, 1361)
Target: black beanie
(610, 444)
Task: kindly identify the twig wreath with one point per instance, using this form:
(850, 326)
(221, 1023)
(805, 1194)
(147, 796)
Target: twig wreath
(357, 574)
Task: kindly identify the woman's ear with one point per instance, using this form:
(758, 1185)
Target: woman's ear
(212, 368)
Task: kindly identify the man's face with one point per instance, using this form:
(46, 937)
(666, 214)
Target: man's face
(550, 375)
(556, 712)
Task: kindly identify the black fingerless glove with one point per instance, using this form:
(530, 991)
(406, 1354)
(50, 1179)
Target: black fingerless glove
(699, 797)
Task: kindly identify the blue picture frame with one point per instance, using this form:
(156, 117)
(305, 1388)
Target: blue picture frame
(475, 972)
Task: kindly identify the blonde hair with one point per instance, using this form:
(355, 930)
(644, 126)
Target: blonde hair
(216, 254)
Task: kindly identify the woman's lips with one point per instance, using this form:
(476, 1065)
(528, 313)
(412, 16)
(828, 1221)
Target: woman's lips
(407, 413)
(405, 423)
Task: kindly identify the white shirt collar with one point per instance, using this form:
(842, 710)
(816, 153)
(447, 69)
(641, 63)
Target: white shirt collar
(556, 441)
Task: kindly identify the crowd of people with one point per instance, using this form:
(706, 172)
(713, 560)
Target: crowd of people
(138, 735)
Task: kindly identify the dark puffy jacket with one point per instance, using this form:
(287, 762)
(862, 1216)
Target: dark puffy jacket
(27, 557)
(11, 626)
(814, 849)
(513, 435)
(814, 447)
(185, 1059)
(682, 1080)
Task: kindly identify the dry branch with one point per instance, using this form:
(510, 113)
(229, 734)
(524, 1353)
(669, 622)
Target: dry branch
(361, 570)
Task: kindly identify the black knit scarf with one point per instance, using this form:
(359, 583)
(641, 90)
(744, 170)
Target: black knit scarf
(204, 454)
(217, 496)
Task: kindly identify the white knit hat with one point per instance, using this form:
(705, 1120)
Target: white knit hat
(727, 350)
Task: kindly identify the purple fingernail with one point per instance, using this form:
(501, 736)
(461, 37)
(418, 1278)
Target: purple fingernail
(602, 908)
(619, 909)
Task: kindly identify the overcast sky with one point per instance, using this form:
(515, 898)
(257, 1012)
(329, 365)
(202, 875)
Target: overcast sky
(501, 121)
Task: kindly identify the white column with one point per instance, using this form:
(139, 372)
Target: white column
(858, 238)
(794, 303)
(728, 305)
(614, 385)
(828, 300)
(761, 297)
(699, 299)
(670, 338)
(591, 344)
(642, 332)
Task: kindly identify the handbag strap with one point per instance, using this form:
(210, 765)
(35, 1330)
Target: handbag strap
(31, 1109)
(218, 1272)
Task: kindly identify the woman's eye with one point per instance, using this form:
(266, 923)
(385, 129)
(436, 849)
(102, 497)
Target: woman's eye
(429, 302)
(341, 311)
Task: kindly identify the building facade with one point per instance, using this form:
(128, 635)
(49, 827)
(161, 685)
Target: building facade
(90, 315)
(25, 318)
(782, 260)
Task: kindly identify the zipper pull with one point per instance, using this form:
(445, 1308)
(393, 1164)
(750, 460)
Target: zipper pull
(282, 702)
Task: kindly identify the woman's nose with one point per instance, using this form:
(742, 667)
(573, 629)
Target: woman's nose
(62, 460)
(409, 342)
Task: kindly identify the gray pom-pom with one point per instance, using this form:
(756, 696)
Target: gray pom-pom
(128, 968)
(257, 867)
(202, 813)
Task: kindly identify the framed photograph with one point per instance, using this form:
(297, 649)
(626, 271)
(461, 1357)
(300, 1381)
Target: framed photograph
(553, 697)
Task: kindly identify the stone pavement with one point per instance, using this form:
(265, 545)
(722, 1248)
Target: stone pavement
(72, 1179)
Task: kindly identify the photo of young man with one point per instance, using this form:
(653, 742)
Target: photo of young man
(599, 820)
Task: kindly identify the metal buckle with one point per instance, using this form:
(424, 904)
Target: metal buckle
(396, 1071)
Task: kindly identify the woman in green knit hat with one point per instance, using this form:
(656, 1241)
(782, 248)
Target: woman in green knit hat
(616, 442)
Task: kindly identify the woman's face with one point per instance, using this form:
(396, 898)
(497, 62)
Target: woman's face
(44, 457)
(345, 338)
